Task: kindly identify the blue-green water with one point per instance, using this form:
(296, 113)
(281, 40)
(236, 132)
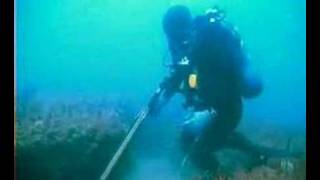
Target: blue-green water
(103, 47)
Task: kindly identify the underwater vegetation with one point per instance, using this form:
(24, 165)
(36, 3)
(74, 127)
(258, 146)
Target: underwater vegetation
(68, 141)
(276, 169)
(75, 139)
(235, 165)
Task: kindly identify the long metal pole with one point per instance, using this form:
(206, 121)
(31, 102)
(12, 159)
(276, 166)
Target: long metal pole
(140, 117)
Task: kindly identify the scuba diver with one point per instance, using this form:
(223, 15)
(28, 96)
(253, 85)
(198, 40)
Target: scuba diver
(210, 69)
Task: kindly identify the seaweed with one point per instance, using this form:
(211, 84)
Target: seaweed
(233, 163)
(68, 141)
(76, 138)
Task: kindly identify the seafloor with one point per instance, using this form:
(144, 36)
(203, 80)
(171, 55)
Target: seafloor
(75, 139)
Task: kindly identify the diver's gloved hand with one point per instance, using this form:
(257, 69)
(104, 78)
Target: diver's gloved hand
(198, 121)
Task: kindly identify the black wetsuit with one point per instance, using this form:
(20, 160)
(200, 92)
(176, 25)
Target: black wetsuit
(215, 53)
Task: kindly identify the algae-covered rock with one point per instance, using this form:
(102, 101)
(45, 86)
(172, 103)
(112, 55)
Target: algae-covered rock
(65, 144)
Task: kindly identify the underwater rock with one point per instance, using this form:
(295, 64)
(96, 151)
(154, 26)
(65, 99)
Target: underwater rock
(68, 146)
